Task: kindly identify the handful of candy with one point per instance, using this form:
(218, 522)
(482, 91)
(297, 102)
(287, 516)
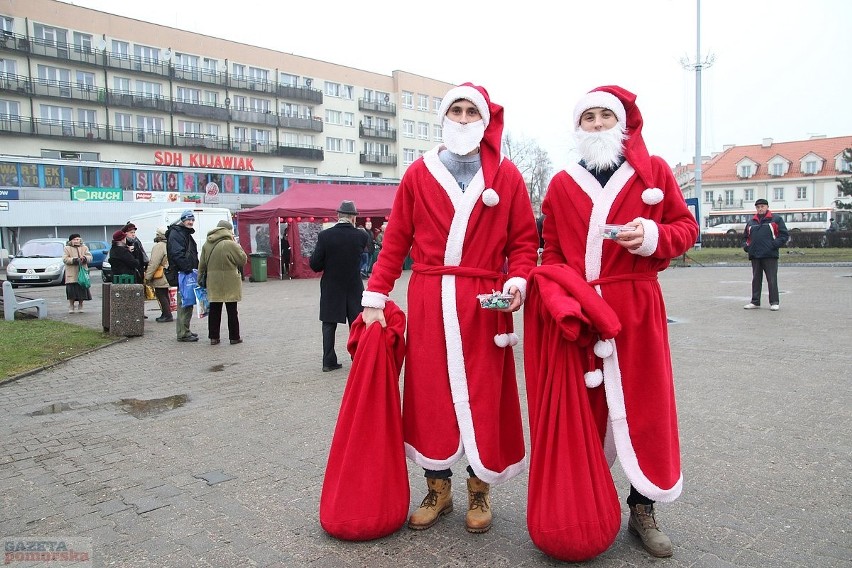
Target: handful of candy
(611, 231)
(495, 300)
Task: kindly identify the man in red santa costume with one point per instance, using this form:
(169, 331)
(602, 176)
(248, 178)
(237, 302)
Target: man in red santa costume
(631, 388)
(463, 213)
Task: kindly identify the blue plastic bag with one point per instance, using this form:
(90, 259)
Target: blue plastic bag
(202, 304)
(187, 283)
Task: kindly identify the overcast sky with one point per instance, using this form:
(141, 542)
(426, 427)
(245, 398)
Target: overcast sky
(781, 68)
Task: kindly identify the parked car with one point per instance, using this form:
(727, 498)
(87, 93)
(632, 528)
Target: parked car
(39, 262)
(106, 270)
(100, 252)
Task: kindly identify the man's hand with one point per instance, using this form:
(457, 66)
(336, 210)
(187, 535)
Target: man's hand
(370, 315)
(632, 238)
(515, 304)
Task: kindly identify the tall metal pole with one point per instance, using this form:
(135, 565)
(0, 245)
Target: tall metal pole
(698, 66)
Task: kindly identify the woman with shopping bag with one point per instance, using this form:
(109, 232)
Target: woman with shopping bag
(155, 275)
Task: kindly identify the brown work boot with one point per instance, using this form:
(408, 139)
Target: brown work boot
(643, 524)
(438, 502)
(478, 506)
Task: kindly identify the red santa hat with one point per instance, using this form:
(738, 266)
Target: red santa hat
(492, 116)
(623, 103)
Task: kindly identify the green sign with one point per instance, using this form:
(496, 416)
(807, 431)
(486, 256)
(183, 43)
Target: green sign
(96, 194)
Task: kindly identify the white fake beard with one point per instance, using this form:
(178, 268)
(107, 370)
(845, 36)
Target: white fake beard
(462, 139)
(601, 150)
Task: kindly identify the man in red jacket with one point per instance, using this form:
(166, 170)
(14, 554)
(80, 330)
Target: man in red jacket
(631, 389)
(463, 213)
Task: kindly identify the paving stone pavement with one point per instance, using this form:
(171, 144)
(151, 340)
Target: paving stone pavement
(231, 476)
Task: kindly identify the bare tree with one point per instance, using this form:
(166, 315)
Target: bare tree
(534, 164)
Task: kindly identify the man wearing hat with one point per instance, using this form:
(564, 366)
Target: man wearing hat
(338, 256)
(764, 234)
(630, 387)
(183, 258)
(462, 212)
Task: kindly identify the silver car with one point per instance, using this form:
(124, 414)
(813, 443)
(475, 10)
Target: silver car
(39, 262)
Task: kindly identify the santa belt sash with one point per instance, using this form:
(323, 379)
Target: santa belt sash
(468, 271)
(624, 277)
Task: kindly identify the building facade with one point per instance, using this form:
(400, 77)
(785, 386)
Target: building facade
(99, 107)
(799, 174)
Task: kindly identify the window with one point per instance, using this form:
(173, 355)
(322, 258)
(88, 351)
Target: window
(187, 127)
(422, 102)
(259, 75)
(87, 119)
(745, 171)
(370, 95)
(239, 102)
(123, 121)
(436, 104)
(289, 80)
(259, 105)
(187, 95)
(333, 117)
(8, 67)
(238, 71)
(383, 97)
(120, 49)
(348, 119)
(729, 197)
(82, 42)
(213, 130)
(56, 77)
(334, 144)
(290, 139)
(801, 192)
(6, 24)
(240, 133)
(408, 128)
(121, 84)
(289, 110)
(153, 124)
(778, 169)
(260, 136)
(332, 89)
(408, 156)
(407, 99)
(9, 110)
(748, 195)
(778, 194)
(85, 81)
(423, 130)
(50, 35)
(211, 98)
(708, 197)
(347, 92)
(350, 146)
(810, 167)
(146, 54)
(149, 89)
(211, 65)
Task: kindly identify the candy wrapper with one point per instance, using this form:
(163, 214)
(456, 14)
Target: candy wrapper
(611, 231)
(495, 300)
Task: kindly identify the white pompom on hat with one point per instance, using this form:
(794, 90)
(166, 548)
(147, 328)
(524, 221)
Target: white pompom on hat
(599, 99)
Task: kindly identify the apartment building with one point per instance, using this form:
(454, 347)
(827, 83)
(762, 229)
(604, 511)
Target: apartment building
(99, 107)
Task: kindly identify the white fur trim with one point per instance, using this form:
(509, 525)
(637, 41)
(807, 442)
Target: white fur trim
(593, 378)
(490, 197)
(373, 299)
(501, 340)
(603, 348)
(513, 339)
(652, 237)
(599, 99)
(652, 195)
(467, 93)
(521, 283)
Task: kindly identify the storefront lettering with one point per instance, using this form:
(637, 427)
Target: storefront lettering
(204, 161)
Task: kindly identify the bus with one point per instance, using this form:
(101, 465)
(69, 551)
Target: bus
(810, 219)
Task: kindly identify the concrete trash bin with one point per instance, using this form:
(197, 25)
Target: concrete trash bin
(258, 266)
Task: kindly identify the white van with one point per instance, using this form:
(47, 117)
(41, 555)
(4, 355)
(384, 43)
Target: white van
(205, 220)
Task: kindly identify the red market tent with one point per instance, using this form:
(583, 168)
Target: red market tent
(306, 208)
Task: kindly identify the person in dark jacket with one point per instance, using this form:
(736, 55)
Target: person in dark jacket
(134, 245)
(120, 258)
(764, 234)
(183, 258)
(338, 256)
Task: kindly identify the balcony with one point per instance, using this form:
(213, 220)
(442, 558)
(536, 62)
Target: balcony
(198, 109)
(381, 133)
(138, 64)
(13, 124)
(311, 123)
(139, 100)
(64, 51)
(251, 84)
(198, 140)
(14, 42)
(379, 159)
(375, 106)
(300, 93)
(254, 116)
(199, 75)
(304, 152)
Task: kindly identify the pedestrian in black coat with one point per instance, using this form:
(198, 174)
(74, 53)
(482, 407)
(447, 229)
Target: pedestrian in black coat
(338, 256)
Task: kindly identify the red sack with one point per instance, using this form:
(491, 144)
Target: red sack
(573, 513)
(365, 493)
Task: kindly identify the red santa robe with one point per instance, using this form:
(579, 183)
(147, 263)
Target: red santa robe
(460, 392)
(635, 407)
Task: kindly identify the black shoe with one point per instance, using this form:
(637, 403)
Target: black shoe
(195, 335)
(164, 319)
(188, 338)
(235, 341)
(214, 342)
(331, 368)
